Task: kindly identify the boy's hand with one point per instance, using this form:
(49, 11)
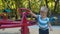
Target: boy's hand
(30, 11)
(33, 14)
(51, 29)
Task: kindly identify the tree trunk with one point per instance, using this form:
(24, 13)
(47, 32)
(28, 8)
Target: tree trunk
(29, 4)
(56, 2)
(49, 12)
(17, 6)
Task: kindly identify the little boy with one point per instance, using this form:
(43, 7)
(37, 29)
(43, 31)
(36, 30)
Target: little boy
(43, 20)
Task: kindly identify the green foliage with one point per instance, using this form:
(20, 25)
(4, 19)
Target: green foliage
(35, 4)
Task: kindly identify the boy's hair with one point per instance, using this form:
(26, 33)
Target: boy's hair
(44, 9)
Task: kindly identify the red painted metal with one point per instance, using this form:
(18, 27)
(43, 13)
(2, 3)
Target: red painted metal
(24, 23)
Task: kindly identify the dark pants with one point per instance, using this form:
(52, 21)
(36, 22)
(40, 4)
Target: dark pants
(43, 31)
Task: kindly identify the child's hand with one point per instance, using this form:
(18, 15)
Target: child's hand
(51, 29)
(31, 12)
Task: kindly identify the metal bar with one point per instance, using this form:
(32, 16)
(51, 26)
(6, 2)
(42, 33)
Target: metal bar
(10, 26)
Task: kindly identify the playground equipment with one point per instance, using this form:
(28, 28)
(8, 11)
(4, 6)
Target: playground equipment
(24, 23)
